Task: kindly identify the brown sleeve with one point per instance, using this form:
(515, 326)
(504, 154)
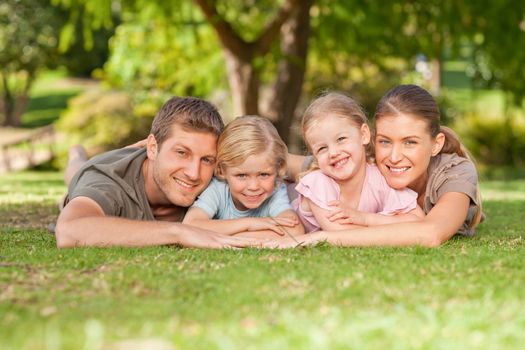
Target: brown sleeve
(462, 178)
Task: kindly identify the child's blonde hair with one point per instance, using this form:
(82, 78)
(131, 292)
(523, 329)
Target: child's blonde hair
(332, 104)
(247, 136)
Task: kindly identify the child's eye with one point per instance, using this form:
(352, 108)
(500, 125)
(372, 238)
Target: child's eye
(341, 138)
(240, 176)
(264, 174)
(321, 149)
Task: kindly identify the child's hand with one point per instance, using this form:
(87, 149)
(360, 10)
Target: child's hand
(275, 224)
(346, 215)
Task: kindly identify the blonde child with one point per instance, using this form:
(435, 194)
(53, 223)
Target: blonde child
(247, 197)
(342, 190)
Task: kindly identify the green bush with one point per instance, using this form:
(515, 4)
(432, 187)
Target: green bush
(103, 120)
(494, 140)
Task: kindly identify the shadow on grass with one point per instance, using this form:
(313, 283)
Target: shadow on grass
(28, 215)
(45, 109)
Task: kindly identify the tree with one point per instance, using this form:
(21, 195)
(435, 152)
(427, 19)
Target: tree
(266, 44)
(27, 41)
(245, 45)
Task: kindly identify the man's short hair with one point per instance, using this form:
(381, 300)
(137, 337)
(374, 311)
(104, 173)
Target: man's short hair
(191, 113)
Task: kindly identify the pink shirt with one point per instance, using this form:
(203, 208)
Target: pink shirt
(376, 196)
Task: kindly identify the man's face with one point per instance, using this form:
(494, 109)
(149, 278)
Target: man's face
(181, 168)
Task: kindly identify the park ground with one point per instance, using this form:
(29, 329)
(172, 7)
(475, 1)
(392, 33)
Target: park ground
(469, 293)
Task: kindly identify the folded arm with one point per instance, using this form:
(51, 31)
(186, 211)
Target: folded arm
(286, 222)
(438, 226)
(82, 222)
(350, 216)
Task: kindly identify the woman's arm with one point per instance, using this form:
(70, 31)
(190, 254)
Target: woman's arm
(440, 224)
(198, 218)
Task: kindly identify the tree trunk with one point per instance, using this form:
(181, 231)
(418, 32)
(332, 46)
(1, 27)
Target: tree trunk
(244, 83)
(435, 80)
(14, 106)
(7, 102)
(291, 69)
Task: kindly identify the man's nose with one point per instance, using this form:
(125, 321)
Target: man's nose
(192, 171)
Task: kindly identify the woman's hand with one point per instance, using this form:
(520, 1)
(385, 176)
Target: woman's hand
(139, 144)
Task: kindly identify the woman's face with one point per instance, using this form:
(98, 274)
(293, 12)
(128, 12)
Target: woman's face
(403, 148)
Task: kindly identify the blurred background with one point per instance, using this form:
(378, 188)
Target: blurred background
(96, 71)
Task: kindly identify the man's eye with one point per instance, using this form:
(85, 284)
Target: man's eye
(181, 152)
(209, 161)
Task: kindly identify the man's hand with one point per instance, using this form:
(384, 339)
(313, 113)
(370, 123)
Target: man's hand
(193, 237)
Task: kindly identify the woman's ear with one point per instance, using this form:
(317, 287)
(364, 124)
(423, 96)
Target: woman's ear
(365, 134)
(152, 147)
(439, 142)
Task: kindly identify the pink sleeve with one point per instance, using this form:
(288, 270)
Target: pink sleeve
(399, 201)
(318, 188)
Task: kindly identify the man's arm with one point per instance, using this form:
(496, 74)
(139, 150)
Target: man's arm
(82, 222)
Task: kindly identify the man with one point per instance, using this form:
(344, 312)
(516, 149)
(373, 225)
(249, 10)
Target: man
(135, 196)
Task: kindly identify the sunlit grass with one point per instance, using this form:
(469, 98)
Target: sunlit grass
(466, 294)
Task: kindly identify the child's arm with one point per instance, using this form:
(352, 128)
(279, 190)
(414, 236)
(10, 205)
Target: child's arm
(350, 216)
(284, 231)
(198, 218)
(321, 215)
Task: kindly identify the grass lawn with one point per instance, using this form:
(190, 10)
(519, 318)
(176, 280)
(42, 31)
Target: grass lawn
(470, 293)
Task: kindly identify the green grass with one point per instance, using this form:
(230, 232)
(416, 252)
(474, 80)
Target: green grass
(468, 293)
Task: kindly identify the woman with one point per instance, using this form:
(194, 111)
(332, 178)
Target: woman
(412, 150)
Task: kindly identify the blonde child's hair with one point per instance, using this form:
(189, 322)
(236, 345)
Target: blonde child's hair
(332, 104)
(247, 136)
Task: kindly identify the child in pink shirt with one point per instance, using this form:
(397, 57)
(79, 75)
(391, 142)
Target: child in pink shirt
(341, 190)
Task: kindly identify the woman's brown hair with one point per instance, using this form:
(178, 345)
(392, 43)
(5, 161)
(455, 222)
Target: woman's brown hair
(416, 102)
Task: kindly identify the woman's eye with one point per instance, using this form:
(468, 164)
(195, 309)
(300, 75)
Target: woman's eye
(410, 142)
(181, 152)
(383, 142)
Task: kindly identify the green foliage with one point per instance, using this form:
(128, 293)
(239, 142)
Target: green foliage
(146, 57)
(494, 140)
(466, 294)
(103, 120)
